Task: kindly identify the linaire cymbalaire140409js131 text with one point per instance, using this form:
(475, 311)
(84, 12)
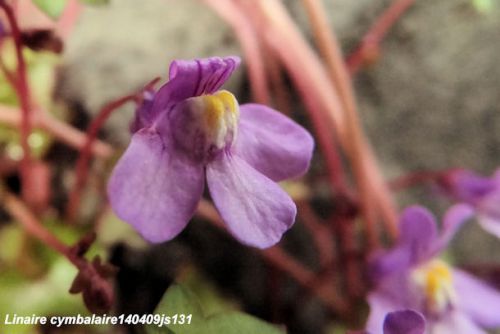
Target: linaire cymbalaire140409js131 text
(122, 319)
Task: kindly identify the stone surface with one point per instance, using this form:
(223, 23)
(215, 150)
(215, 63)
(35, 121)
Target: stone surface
(432, 101)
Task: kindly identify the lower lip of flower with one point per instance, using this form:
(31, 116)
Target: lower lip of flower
(434, 279)
(205, 125)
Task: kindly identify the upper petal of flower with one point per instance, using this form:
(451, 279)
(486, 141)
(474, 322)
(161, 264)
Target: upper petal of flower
(256, 210)
(454, 218)
(418, 235)
(154, 187)
(488, 211)
(481, 192)
(404, 322)
(467, 186)
(273, 144)
(189, 78)
(455, 322)
(418, 232)
(144, 112)
(480, 301)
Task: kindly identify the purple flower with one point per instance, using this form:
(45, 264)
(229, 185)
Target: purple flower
(410, 276)
(404, 322)
(401, 322)
(482, 193)
(189, 132)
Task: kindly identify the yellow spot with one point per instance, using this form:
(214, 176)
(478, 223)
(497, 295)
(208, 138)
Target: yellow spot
(217, 105)
(438, 277)
(436, 281)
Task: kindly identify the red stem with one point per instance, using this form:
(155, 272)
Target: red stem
(20, 212)
(60, 130)
(281, 260)
(369, 46)
(249, 44)
(320, 233)
(82, 164)
(22, 90)
(416, 178)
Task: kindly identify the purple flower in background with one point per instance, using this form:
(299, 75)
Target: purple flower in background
(189, 132)
(410, 276)
(482, 193)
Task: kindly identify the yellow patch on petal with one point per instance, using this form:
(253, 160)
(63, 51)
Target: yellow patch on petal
(219, 107)
(436, 281)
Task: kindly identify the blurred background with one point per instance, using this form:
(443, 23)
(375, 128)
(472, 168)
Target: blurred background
(430, 101)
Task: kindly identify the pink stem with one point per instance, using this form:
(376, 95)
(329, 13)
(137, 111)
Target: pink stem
(68, 19)
(375, 196)
(21, 213)
(23, 93)
(313, 86)
(64, 132)
(250, 45)
(85, 153)
(415, 178)
(369, 46)
(320, 233)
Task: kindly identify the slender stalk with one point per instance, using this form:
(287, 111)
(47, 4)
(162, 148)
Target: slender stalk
(23, 94)
(415, 178)
(60, 130)
(312, 83)
(322, 101)
(374, 195)
(249, 44)
(21, 213)
(282, 96)
(82, 164)
(370, 44)
(74, 137)
(69, 17)
(91, 280)
(320, 233)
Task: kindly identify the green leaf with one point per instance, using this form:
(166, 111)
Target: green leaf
(237, 322)
(46, 296)
(483, 6)
(180, 300)
(53, 8)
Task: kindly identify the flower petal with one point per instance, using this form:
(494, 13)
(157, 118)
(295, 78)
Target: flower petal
(380, 306)
(386, 263)
(190, 78)
(488, 211)
(480, 301)
(490, 225)
(467, 186)
(256, 210)
(418, 232)
(418, 228)
(417, 241)
(404, 322)
(272, 143)
(454, 218)
(144, 112)
(154, 188)
(455, 322)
